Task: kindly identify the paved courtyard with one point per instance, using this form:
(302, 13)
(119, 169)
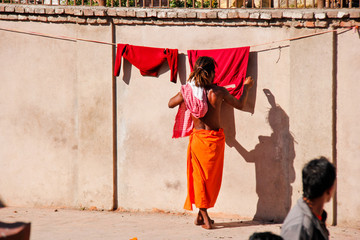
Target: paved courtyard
(66, 224)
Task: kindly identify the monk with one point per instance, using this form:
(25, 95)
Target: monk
(205, 155)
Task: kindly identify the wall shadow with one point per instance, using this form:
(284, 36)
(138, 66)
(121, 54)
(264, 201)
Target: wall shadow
(219, 225)
(273, 157)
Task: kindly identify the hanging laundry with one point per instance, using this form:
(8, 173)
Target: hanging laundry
(147, 59)
(231, 66)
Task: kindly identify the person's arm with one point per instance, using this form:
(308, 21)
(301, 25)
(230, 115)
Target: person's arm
(175, 100)
(239, 104)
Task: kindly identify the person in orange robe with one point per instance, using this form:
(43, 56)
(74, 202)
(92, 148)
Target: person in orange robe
(205, 156)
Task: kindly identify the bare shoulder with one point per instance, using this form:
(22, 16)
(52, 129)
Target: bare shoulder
(217, 91)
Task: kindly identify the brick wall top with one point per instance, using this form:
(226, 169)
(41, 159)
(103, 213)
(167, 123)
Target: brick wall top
(299, 18)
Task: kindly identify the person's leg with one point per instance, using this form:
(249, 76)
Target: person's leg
(199, 220)
(207, 221)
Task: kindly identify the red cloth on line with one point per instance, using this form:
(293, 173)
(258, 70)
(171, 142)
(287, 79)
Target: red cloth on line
(231, 66)
(147, 59)
(194, 104)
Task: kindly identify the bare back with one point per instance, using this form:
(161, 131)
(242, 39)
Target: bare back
(211, 120)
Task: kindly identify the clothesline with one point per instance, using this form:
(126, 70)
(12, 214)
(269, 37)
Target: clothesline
(114, 44)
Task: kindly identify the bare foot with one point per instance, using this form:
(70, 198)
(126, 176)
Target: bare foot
(200, 221)
(207, 221)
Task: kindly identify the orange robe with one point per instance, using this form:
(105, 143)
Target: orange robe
(205, 160)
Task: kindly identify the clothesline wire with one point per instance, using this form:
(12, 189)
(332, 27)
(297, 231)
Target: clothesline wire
(114, 44)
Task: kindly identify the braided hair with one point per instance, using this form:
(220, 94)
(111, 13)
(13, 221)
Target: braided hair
(201, 75)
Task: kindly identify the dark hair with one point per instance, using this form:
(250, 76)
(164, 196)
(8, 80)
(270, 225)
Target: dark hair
(318, 175)
(265, 236)
(201, 73)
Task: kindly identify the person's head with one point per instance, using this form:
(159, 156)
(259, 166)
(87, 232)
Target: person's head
(318, 177)
(265, 236)
(204, 72)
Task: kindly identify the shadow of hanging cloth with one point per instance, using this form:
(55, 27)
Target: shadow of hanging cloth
(15, 231)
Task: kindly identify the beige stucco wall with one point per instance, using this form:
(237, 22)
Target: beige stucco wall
(57, 120)
(348, 129)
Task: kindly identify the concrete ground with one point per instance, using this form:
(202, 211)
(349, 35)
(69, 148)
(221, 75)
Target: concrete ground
(66, 224)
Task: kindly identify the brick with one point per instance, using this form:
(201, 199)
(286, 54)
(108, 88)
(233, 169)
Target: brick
(141, 14)
(297, 24)
(241, 23)
(181, 14)
(19, 9)
(222, 15)
(40, 10)
(332, 14)
(50, 11)
(211, 15)
(345, 24)
(9, 9)
(309, 24)
(42, 19)
(244, 15)
(191, 14)
(110, 12)
(277, 14)
(69, 11)
(101, 13)
(71, 19)
(320, 15)
(293, 15)
(276, 23)
(255, 15)
(29, 10)
(59, 11)
(121, 13)
(201, 15)
(60, 19)
(102, 21)
(92, 21)
(151, 13)
(81, 20)
(308, 15)
(171, 14)
(23, 18)
(2, 8)
(115, 21)
(78, 12)
(90, 12)
(354, 14)
(266, 16)
(33, 18)
(161, 14)
(342, 15)
(321, 24)
(233, 14)
(252, 23)
(12, 17)
(130, 13)
(263, 24)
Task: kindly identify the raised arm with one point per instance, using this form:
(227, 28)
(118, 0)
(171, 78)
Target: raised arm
(175, 100)
(239, 103)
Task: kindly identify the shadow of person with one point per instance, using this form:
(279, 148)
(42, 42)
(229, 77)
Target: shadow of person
(273, 157)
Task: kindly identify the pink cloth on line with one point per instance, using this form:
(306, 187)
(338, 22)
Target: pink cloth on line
(192, 105)
(231, 66)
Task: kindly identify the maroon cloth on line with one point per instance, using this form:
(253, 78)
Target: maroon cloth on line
(231, 66)
(147, 59)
